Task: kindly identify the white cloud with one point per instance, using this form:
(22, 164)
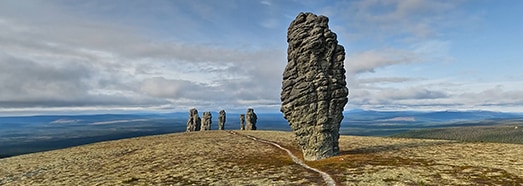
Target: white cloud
(78, 62)
(412, 18)
(383, 80)
(443, 94)
(369, 61)
(177, 55)
(265, 2)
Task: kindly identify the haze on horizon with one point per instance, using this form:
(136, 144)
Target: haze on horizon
(96, 56)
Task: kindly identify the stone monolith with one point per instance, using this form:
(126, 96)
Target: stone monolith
(194, 121)
(314, 90)
(251, 119)
(206, 121)
(242, 121)
(221, 120)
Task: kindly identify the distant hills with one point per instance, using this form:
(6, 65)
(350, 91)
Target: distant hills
(435, 116)
(25, 134)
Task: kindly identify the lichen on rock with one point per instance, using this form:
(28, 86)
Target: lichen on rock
(314, 91)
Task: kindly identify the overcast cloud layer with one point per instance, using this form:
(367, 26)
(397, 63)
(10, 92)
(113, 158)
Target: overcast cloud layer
(120, 56)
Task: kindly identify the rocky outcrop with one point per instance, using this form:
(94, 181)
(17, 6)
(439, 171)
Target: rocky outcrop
(251, 119)
(221, 120)
(242, 121)
(194, 121)
(206, 121)
(314, 90)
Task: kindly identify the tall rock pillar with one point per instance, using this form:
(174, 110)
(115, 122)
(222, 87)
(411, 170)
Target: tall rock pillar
(206, 121)
(194, 121)
(251, 118)
(242, 121)
(314, 90)
(221, 120)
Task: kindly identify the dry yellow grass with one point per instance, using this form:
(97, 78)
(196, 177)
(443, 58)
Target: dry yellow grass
(222, 158)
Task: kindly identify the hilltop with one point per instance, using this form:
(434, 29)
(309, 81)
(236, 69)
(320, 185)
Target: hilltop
(225, 158)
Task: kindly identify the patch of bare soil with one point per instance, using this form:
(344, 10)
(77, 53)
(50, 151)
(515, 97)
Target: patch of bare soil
(223, 158)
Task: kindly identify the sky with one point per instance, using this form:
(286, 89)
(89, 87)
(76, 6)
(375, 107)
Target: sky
(121, 56)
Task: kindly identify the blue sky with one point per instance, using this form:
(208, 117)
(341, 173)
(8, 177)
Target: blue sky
(63, 56)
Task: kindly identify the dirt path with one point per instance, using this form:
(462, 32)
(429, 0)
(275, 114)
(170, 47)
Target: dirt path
(326, 177)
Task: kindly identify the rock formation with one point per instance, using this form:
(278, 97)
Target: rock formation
(194, 121)
(251, 118)
(221, 120)
(206, 121)
(242, 121)
(314, 90)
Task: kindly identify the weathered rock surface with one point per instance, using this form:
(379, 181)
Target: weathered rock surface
(206, 121)
(194, 121)
(242, 121)
(251, 118)
(314, 90)
(221, 120)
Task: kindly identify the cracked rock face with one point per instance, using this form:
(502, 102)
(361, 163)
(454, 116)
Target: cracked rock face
(194, 121)
(314, 90)
(251, 119)
(206, 121)
(221, 120)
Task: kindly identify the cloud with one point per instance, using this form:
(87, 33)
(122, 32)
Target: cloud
(384, 96)
(176, 55)
(267, 3)
(492, 96)
(441, 94)
(369, 61)
(24, 81)
(416, 93)
(383, 80)
(75, 62)
(381, 34)
(408, 19)
(161, 87)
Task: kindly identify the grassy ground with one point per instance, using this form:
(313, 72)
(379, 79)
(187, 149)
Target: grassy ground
(222, 158)
(199, 158)
(506, 133)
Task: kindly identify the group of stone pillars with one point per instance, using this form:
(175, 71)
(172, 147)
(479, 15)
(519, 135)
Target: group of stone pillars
(195, 123)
